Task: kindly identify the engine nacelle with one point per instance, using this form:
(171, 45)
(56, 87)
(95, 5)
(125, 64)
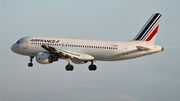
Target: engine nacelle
(77, 61)
(45, 58)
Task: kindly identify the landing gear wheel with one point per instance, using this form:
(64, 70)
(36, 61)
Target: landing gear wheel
(69, 67)
(92, 67)
(30, 64)
(31, 59)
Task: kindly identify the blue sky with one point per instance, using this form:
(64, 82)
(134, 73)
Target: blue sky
(150, 78)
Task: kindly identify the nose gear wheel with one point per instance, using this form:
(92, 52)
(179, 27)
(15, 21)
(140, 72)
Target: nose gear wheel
(31, 59)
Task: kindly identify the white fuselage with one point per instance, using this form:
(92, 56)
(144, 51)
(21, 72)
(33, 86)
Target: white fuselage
(48, 50)
(100, 50)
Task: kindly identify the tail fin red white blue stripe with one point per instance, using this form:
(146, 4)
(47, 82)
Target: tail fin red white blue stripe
(149, 30)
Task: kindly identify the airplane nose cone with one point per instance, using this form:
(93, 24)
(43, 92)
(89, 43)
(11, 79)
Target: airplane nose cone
(13, 48)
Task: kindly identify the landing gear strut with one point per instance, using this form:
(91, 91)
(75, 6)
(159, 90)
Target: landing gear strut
(31, 59)
(92, 67)
(69, 67)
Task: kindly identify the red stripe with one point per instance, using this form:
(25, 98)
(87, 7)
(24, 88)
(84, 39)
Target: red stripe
(152, 34)
(57, 41)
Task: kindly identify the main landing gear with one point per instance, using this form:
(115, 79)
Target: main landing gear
(70, 67)
(31, 59)
(92, 67)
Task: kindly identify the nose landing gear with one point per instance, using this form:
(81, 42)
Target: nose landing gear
(31, 59)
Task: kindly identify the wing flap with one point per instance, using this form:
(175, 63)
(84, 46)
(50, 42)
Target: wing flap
(76, 55)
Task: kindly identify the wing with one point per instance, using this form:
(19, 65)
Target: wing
(142, 48)
(62, 53)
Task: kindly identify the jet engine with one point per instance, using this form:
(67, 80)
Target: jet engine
(45, 58)
(77, 61)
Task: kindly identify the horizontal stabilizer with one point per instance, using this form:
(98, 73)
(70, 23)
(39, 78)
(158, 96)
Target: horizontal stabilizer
(141, 48)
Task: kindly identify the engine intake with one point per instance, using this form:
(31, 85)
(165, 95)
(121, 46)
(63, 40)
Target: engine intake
(45, 58)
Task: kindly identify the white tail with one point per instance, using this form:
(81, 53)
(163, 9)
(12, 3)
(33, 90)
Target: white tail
(149, 30)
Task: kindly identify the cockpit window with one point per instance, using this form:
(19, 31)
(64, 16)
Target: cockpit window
(18, 42)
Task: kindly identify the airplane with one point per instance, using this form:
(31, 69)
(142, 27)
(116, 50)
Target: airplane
(79, 51)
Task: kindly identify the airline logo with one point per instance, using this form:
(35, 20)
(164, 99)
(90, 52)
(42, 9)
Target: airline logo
(150, 28)
(57, 41)
(45, 40)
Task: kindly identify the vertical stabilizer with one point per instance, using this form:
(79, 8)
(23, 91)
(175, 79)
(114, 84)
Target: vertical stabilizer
(149, 31)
